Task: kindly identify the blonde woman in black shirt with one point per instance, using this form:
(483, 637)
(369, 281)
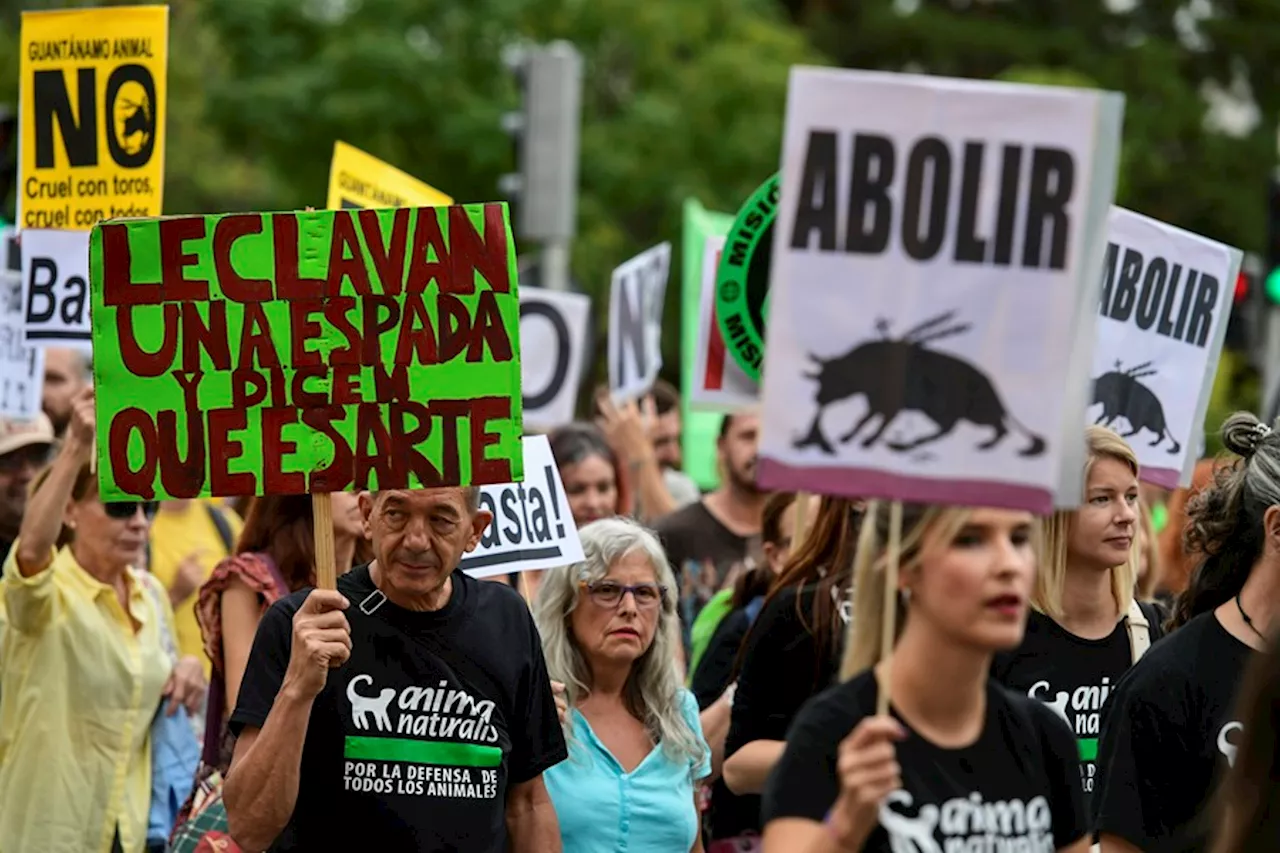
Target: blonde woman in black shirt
(1085, 629)
(959, 762)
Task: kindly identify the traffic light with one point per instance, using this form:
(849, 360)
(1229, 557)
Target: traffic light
(1238, 334)
(1271, 284)
(545, 131)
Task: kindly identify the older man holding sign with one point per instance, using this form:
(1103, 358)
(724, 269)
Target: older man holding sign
(409, 708)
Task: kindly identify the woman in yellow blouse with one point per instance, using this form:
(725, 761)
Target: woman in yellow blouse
(84, 668)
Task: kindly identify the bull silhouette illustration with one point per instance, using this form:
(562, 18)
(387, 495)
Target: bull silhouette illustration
(943, 387)
(137, 121)
(1123, 396)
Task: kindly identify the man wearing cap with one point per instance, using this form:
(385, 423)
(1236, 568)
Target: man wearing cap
(24, 451)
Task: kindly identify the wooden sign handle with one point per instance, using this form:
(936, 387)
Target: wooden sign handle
(892, 554)
(322, 521)
(802, 517)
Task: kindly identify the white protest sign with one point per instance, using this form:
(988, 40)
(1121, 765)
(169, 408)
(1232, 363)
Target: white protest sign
(635, 322)
(21, 366)
(1166, 300)
(55, 276)
(532, 526)
(934, 287)
(719, 385)
(553, 342)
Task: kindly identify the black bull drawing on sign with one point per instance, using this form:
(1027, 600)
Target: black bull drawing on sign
(138, 121)
(903, 375)
(1123, 396)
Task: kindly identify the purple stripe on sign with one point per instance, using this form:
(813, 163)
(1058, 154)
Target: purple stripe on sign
(1164, 477)
(866, 482)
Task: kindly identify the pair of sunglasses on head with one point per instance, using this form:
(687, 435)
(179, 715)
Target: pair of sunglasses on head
(125, 510)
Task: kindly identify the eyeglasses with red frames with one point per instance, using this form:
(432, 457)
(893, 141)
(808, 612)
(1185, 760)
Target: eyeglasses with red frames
(606, 593)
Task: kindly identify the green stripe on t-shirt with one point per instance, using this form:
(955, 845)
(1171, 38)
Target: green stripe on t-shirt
(422, 751)
(1088, 748)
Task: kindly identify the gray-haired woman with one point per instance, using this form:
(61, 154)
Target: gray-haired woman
(609, 633)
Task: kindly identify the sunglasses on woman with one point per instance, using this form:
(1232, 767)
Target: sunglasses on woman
(124, 510)
(610, 593)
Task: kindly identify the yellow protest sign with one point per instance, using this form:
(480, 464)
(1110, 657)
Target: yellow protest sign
(92, 115)
(357, 179)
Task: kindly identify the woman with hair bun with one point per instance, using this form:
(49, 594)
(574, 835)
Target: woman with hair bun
(1170, 730)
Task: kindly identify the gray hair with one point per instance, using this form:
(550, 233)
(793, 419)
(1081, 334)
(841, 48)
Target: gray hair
(1226, 520)
(652, 691)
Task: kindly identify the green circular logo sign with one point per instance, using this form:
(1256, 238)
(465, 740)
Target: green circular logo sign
(742, 278)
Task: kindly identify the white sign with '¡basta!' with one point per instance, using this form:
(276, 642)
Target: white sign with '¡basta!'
(55, 288)
(532, 525)
(934, 286)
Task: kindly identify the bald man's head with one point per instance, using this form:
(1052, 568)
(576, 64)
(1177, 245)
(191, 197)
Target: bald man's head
(66, 372)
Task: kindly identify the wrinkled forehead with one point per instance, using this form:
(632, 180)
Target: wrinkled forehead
(415, 501)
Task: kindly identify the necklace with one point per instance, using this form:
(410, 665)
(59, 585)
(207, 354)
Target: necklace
(1247, 620)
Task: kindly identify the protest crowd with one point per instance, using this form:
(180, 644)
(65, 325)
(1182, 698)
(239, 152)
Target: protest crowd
(294, 560)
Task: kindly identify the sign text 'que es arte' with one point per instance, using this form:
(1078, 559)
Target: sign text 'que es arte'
(283, 353)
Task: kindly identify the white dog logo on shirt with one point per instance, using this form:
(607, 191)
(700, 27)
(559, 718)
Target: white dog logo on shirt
(1059, 704)
(361, 705)
(909, 834)
(1225, 746)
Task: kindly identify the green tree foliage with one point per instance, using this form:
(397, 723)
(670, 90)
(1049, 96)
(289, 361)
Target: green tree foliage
(1162, 54)
(679, 99)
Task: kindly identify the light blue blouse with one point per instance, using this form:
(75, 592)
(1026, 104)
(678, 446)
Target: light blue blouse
(603, 810)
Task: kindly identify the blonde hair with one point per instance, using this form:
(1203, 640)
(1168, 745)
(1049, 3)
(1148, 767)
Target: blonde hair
(1046, 594)
(925, 527)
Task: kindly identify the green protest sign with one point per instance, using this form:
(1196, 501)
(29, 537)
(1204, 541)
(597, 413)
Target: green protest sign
(283, 353)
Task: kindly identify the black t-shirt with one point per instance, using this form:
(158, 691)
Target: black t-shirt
(704, 554)
(414, 742)
(783, 665)
(1072, 675)
(1015, 788)
(1168, 734)
(715, 668)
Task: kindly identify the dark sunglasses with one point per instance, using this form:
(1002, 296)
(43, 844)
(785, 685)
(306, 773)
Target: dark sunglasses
(124, 510)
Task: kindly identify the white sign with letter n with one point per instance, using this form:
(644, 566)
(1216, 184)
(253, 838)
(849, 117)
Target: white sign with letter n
(635, 322)
(934, 288)
(1166, 300)
(553, 343)
(532, 525)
